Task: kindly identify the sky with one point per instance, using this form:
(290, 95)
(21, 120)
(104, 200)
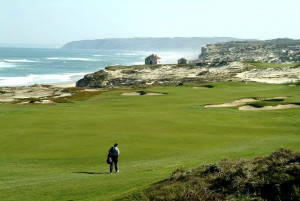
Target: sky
(62, 21)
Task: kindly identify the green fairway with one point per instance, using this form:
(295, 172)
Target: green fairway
(58, 152)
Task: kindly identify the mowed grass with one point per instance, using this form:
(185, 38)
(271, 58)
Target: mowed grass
(58, 152)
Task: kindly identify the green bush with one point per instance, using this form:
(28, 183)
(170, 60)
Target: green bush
(274, 178)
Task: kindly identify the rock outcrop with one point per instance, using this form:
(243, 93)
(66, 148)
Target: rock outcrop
(272, 51)
(128, 76)
(217, 62)
(32, 94)
(272, 75)
(172, 74)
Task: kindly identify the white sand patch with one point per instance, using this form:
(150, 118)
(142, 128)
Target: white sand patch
(65, 85)
(6, 100)
(278, 97)
(234, 103)
(154, 94)
(46, 102)
(64, 95)
(278, 107)
(272, 75)
(91, 90)
(131, 94)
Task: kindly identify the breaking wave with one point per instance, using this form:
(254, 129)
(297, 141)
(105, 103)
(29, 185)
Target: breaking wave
(19, 60)
(6, 65)
(41, 79)
(68, 59)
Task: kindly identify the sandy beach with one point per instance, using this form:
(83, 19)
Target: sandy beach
(65, 85)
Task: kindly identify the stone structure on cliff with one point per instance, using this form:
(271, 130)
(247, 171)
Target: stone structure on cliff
(152, 59)
(183, 61)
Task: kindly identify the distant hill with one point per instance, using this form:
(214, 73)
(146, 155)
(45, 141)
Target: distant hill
(148, 44)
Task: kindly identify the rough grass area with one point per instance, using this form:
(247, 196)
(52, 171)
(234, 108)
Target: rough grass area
(130, 69)
(78, 94)
(134, 67)
(274, 178)
(58, 152)
(259, 64)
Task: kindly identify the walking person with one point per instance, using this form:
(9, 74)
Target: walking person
(114, 154)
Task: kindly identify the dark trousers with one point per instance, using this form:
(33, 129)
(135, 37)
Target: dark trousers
(114, 161)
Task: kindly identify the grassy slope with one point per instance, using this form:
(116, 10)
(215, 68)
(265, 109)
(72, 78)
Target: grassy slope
(43, 148)
(259, 64)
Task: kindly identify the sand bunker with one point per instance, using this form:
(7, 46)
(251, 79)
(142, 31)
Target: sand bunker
(201, 88)
(234, 103)
(247, 100)
(142, 93)
(278, 107)
(131, 94)
(154, 94)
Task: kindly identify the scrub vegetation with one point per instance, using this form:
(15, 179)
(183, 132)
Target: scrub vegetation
(259, 64)
(275, 178)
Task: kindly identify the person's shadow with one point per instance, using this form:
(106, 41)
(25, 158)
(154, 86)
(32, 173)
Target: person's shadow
(82, 172)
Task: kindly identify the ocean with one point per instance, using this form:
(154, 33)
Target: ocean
(28, 66)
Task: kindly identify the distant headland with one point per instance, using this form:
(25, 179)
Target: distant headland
(148, 44)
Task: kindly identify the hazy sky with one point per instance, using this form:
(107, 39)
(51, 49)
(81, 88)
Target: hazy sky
(61, 21)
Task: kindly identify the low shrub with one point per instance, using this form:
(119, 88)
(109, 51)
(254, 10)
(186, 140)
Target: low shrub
(207, 86)
(275, 178)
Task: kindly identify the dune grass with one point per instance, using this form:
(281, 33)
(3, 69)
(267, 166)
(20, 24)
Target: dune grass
(274, 177)
(58, 152)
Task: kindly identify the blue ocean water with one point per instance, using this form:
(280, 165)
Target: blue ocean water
(27, 66)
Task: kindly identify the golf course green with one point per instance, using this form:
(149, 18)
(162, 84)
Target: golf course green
(58, 152)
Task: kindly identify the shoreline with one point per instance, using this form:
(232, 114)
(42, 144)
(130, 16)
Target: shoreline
(59, 85)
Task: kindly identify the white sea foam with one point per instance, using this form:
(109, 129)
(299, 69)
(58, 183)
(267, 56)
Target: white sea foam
(6, 65)
(98, 55)
(40, 79)
(53, 58)
(68, 59)
(19, 60)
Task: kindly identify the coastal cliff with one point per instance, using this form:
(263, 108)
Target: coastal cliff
(172, 74)
(271, 51)
(274, 61)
